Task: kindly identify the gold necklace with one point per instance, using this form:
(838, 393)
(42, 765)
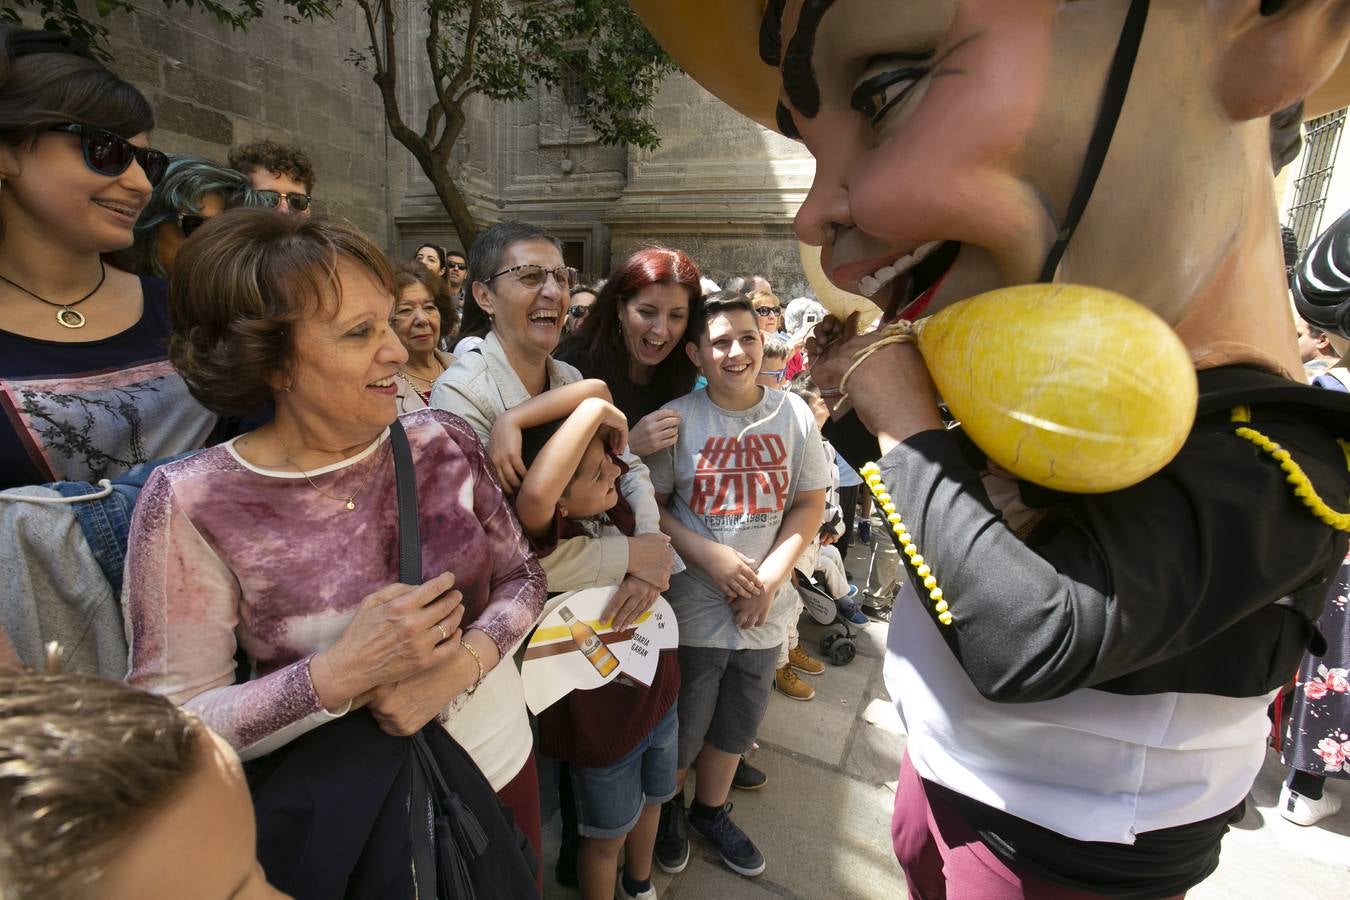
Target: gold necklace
(408, 373)
(349, 501)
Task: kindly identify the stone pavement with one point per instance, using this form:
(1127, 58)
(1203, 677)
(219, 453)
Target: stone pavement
(823, 819)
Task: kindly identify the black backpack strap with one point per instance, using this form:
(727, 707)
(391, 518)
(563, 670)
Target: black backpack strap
(409, 533)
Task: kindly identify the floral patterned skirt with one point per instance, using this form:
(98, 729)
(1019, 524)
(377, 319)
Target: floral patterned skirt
(1318, 740)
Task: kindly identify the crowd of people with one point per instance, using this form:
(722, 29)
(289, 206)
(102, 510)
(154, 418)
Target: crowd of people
(286, 510)
(213, 430)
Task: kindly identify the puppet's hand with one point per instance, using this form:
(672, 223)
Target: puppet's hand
(891, 389)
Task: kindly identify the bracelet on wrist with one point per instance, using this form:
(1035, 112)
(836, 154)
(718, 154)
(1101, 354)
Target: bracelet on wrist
(476, 658)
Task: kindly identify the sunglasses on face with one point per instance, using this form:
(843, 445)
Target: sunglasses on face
(765, 311)
(272, 199)
(532, 277)
(457, 266)
(578, 311)
(190, 222)
(111, 154)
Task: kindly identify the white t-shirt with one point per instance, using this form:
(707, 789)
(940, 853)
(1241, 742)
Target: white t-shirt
(732, 476)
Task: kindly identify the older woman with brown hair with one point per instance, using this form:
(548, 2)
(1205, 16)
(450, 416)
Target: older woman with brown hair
(279, 542)
(423, 315)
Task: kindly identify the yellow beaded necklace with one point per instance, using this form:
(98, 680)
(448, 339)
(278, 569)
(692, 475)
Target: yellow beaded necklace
(1293, 472)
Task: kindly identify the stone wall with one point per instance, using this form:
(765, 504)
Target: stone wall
(212, 87)
(720, 187)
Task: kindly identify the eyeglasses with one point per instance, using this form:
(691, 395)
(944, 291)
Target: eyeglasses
(457, 266)
(775, 374)
(532, 277)
(579, 311)
(190, 222)
(272, 199)
(111, 154)
(765, 311)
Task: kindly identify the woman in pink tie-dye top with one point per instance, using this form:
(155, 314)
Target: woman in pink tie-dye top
(284, 542)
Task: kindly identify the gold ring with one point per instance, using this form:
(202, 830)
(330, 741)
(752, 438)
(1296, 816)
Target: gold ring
(441, 629)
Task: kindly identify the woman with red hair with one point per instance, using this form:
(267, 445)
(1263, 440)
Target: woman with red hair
(629, 339)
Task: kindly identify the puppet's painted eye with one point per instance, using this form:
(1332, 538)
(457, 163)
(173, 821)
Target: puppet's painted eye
(877, 94)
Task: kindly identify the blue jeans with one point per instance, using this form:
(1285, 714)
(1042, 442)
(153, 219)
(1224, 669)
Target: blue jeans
(610, 800)
(106, 522)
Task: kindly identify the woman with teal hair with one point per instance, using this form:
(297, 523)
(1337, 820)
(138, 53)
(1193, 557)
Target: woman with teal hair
(193, 190)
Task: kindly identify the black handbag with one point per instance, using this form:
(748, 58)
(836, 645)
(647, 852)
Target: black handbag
(455, 832)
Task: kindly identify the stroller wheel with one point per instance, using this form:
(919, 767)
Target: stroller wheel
(842, 651)
(828, 641)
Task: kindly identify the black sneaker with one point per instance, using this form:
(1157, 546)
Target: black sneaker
(747, 777)
(672, 837)
(737, 851)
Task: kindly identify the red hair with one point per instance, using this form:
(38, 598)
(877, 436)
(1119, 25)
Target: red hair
(598, 348)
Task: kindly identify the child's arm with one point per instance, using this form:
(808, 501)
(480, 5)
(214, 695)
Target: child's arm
(799, 525)
(733, 572)
(544, 483)
(503, 447)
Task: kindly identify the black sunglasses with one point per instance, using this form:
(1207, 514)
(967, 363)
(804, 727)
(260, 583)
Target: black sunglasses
(297, 202)
(190, 222)
(579, 311)
(111, 154)
(457, 266)
(765, 311)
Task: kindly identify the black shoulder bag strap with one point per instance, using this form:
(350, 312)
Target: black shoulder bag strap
(456, 835)
(409, 530)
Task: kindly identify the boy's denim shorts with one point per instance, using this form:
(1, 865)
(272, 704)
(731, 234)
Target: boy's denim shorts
(610, 800)
(723, 697)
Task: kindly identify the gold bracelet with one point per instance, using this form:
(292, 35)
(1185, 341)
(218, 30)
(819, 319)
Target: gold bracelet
(476, 658)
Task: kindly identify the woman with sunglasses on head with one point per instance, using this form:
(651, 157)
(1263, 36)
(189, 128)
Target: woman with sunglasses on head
(86, 389)
(193, 190)
(632, 340)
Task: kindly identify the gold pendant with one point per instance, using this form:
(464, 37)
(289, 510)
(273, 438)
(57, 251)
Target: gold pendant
(70, 318)
(351, 504)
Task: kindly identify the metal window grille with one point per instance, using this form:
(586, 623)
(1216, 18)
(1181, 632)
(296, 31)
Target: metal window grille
(1322, 138)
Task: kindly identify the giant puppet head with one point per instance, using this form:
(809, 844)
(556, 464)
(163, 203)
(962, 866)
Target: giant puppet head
(964, 146)
(969, 122)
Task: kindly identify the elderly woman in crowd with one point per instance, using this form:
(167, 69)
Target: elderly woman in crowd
(518, 278)
(193, 191)
(423, 316)
(633, 340)
(279, 541)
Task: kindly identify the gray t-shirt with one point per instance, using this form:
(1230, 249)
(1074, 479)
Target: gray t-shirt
(732, 476)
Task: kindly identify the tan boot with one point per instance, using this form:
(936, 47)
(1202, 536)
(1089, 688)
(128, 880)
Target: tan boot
(787, 682)
(803, 662)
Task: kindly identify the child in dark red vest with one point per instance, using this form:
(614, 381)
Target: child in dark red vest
(619, 740)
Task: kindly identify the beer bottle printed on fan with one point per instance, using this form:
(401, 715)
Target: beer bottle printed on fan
(590, 644)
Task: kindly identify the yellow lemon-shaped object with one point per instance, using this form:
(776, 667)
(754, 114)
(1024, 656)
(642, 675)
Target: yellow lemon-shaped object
(1075, 388)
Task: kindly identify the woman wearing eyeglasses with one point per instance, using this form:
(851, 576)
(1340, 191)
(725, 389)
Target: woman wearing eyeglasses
(518, 279)
(583, 300)
(86, 390)
(193, 190)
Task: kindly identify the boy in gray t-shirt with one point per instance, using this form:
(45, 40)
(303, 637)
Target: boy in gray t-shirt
(742, 492)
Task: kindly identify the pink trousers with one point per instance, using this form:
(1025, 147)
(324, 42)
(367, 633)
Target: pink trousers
(944, 859)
